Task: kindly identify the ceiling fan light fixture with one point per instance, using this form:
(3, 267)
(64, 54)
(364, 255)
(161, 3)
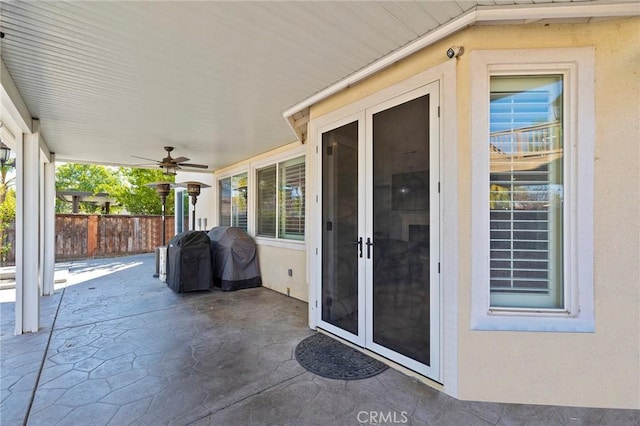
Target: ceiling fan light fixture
(170, 165)
(169, 170)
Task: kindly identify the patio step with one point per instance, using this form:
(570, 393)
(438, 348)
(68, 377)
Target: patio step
(8, 277)
(7, 273)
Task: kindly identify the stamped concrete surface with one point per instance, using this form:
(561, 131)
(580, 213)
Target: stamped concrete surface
(122, 348)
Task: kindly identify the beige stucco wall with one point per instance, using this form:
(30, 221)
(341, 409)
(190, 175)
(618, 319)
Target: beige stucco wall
(275, 263)
(600, 369)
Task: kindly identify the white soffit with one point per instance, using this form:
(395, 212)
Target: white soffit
(479, 15)
(108, 80)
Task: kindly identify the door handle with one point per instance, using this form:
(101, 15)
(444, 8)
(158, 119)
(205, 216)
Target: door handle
(359, 243)
(369, 245)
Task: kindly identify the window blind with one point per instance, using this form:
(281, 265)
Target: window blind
(225, 201)
(292, 199)
(239, 201)
(526, 192)
(266, 203)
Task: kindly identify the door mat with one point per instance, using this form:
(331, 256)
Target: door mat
(332, 359)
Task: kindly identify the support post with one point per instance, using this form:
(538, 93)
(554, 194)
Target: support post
(164, 219)
(49, 226)
(40, 224)
(27, 308)
(194, 200)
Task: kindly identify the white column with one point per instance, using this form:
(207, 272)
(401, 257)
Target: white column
(49, 240)
(40, 225)
(19, 249)
(27, 306)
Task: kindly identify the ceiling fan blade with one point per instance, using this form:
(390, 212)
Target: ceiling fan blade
(144, 158)
(180, 159)
(197, 166)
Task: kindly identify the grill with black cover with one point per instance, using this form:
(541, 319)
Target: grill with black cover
(189, 265)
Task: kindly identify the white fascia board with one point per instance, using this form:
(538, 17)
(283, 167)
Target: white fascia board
(558, 11)
(292, 124)
(45, 153)
(12, 101)
(480, 14)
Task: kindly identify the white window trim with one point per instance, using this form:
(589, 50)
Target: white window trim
(274, 160)
(230, 173)
(279, 158)
(281, 243)
(579, 97)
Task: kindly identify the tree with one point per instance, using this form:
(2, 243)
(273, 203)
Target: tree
(7, 210)
(126, 185)
(87, 178)
(137, 198)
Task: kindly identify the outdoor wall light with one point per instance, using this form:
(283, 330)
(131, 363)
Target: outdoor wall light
(455, 51)
(5, 155)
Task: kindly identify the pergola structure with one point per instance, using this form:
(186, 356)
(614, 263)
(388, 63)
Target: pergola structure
(101, 199)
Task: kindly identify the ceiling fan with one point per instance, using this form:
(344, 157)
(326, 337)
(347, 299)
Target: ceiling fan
(171, 165)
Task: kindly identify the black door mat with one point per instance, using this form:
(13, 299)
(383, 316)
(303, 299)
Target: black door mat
(332, 359)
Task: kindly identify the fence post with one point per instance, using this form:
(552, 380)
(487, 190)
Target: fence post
(92, 235)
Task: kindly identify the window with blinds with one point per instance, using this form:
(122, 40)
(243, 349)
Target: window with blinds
(239, 201)
(526, 191)
(280, 200)
(225, 201)
(292, 187)
(266, 203)
(233, 201)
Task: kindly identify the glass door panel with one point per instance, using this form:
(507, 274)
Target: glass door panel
(401, 229)
(402, 288)
(340, 234)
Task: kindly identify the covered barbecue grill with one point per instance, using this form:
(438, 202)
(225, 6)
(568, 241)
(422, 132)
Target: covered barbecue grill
(189, 262)
(235, 259)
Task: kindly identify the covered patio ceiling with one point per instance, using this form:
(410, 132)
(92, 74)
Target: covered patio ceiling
(110, 80)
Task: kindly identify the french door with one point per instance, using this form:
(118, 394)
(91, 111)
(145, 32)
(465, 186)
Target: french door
(379, 285)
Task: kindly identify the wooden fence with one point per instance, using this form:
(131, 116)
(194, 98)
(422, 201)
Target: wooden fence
(80, 236)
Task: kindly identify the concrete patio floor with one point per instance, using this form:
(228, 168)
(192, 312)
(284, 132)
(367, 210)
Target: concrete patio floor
(118, 347)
